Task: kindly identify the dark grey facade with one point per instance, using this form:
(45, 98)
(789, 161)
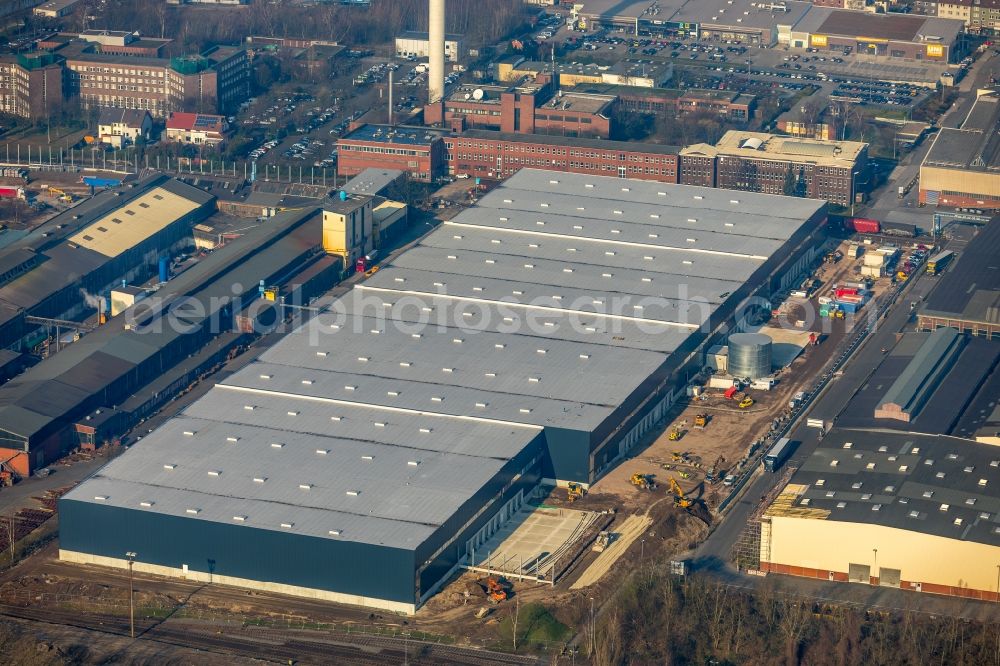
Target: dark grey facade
(374, 571)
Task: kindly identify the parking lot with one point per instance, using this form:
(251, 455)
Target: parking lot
(857, 78)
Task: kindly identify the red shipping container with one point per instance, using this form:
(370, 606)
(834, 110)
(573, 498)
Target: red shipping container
(9, 192)
(730, 392)
(865, 226)
(845, 292)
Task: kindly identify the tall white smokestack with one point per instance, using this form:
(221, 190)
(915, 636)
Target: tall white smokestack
(435, 38)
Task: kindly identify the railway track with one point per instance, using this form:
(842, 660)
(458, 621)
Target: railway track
(275, 645)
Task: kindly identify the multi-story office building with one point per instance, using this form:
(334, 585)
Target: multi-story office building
(498, 155)
(30, 85)
(755, 162)
(215, 81)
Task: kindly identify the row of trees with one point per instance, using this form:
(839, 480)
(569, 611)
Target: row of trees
(195, 28)
(655, 618)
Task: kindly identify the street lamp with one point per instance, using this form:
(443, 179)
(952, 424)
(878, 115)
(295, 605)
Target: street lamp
(875, 564)
(593, 630)
(131, 606)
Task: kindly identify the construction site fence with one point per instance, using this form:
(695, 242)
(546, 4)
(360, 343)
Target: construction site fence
(128, 161)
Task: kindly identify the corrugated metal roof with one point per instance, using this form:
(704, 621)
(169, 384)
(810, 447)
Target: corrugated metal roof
(134, 222)
(372, 484)
(477, 365)
(915, 380)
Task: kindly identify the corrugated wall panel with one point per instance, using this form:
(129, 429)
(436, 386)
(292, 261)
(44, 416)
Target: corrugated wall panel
(238, 551)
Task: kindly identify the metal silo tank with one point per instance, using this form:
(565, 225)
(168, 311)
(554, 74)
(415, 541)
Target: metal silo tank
(749, 355)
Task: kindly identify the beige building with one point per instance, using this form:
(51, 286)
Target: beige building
(891, 509)
(348, 228)
(962, 168)
(122, 298)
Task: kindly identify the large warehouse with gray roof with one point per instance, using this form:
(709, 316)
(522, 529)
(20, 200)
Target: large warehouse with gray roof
(535, 337)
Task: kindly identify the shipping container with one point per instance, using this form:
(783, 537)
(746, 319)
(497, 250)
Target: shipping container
(865, 226)
(899, 229)
(937, 263)
(778, 454)
(11, 193)
(720, 382)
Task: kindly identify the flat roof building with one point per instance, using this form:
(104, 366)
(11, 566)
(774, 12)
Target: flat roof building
(894, 35)
(56, 8)
(217, 80)
(967, 296)
(962, 168)
(417, 150)
(914, 511)
(373, 182)
(531, 105)
(497, 155)
(758, 162)
(415, 44)
(31, 84)
(536, 336)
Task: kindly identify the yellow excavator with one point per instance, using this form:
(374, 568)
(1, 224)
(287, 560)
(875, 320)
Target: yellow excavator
(63, 196)
(675, 434)
(642, 481)
(679, 498)
(574, 491)
(746, 402)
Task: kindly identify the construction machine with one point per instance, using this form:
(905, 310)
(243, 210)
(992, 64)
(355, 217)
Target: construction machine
(63, 196)
(679, 498)
(574, 491)
(747, 401)
(602, 542)
(496, 590)
(642, 481)
(700, 420)
(683, 474)
(675, 434)
(714, 473)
